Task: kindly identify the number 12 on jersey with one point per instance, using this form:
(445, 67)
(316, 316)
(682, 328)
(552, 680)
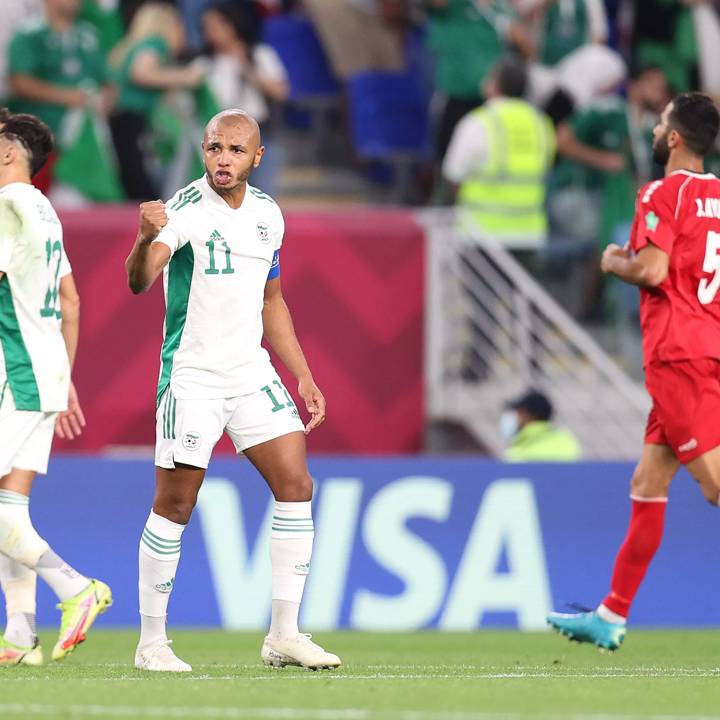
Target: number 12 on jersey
(708, 287)
(50, 309)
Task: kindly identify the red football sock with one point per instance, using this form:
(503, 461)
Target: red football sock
(641, 543)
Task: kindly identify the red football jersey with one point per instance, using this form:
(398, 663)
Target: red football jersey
(680, 214)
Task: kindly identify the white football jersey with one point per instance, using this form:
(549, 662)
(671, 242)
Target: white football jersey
(34, 363)
(214, 291)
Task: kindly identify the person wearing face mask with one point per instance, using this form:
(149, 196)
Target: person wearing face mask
(526, 425)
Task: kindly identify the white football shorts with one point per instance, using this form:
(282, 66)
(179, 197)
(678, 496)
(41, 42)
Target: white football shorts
(25, 437)
(187, 430)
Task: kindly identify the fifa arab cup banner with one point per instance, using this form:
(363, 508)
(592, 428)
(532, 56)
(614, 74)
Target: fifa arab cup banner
(400, 544)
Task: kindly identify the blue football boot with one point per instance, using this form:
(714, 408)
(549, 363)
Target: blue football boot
(588, 627)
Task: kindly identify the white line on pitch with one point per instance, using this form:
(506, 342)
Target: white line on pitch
(269, 713)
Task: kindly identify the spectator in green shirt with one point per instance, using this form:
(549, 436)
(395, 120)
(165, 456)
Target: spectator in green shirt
(467, 38)
(609, 146)
(57, 65)
(144, 69)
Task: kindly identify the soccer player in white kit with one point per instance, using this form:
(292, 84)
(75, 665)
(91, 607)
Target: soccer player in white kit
(39, 312)
(217, 244)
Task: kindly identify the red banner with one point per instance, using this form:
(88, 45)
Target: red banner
(354, 283)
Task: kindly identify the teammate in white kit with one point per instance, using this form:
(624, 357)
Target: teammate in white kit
(39, 313)
(217, 244)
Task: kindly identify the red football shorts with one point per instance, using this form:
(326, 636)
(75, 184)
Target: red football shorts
(686, 406)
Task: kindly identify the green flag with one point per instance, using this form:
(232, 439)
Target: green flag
(86, 158)
(177, 128)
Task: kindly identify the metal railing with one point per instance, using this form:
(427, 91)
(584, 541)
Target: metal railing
(492, 331)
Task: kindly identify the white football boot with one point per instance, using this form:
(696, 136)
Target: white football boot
(158, 657)
(299, 650)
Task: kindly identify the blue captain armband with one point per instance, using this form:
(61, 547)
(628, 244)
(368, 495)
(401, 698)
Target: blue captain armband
(274, 266)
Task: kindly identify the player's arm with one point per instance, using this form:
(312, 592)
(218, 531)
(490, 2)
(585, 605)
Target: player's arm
(648, 268)
(569, 145)
(70, 423)
(280, 333)
(31, 88)
(147, 259)
(70, 311)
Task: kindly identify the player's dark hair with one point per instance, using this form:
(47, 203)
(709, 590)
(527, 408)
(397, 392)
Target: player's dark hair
(510, 74)
(31, 132)
(695, 117)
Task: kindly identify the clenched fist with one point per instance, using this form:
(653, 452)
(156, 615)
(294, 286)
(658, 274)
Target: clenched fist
(153, 219)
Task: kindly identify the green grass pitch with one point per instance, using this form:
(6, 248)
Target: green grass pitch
(665, 675)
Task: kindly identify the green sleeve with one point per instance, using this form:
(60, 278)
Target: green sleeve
(587, 126)
(157, 45)
(21, 56)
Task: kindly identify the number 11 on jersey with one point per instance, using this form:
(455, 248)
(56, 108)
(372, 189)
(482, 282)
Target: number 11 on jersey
(210, 245)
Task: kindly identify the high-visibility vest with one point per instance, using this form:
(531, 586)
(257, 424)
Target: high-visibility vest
(540, 441)
(506, 196)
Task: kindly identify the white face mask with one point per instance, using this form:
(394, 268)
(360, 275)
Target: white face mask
(509, 424)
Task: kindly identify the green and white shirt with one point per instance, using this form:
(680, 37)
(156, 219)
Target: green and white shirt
(34, 363)
(214, 290)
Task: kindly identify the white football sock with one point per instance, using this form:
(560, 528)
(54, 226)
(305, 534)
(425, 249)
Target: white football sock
(158, 559)
(18, 585)
(20, 541)
(63, 579)
(609, 616)
(290, 550)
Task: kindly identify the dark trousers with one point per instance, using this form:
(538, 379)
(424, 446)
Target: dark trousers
(129, 130)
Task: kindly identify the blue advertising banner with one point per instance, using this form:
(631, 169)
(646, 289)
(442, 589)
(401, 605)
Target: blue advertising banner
(401, 543)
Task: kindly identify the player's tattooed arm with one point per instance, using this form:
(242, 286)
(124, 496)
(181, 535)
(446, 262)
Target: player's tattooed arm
(648, 268)
(280, 333)
(147, 260)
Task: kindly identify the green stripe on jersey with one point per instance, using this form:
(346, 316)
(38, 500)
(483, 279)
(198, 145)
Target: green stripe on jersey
(180, 272)
(18, 365)
(187, 196)
(261, 195)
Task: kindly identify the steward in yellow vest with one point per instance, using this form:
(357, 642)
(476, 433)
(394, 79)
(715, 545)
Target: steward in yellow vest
(533, 438)
(499, 157)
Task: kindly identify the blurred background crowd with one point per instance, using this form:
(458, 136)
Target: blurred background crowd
(534, 115)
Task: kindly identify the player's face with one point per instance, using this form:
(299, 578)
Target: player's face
(67, 8)
(232, 149)
(661, 148)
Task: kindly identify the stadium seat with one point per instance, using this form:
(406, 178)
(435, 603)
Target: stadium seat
(313, 87)
(294, 39)
(389, 121)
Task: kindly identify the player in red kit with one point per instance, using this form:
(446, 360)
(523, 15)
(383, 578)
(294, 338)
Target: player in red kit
(674, 258)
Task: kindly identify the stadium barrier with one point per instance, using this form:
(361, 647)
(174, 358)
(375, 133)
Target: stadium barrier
(401, 543)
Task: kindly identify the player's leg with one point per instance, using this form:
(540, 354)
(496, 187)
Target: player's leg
(175, 497)
(706, 472)
(82, 599)
(19, 643)
(186, 431)
(282, 462)
(649, 487)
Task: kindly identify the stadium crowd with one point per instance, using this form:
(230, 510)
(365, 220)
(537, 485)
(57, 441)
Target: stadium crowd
(412, 86)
